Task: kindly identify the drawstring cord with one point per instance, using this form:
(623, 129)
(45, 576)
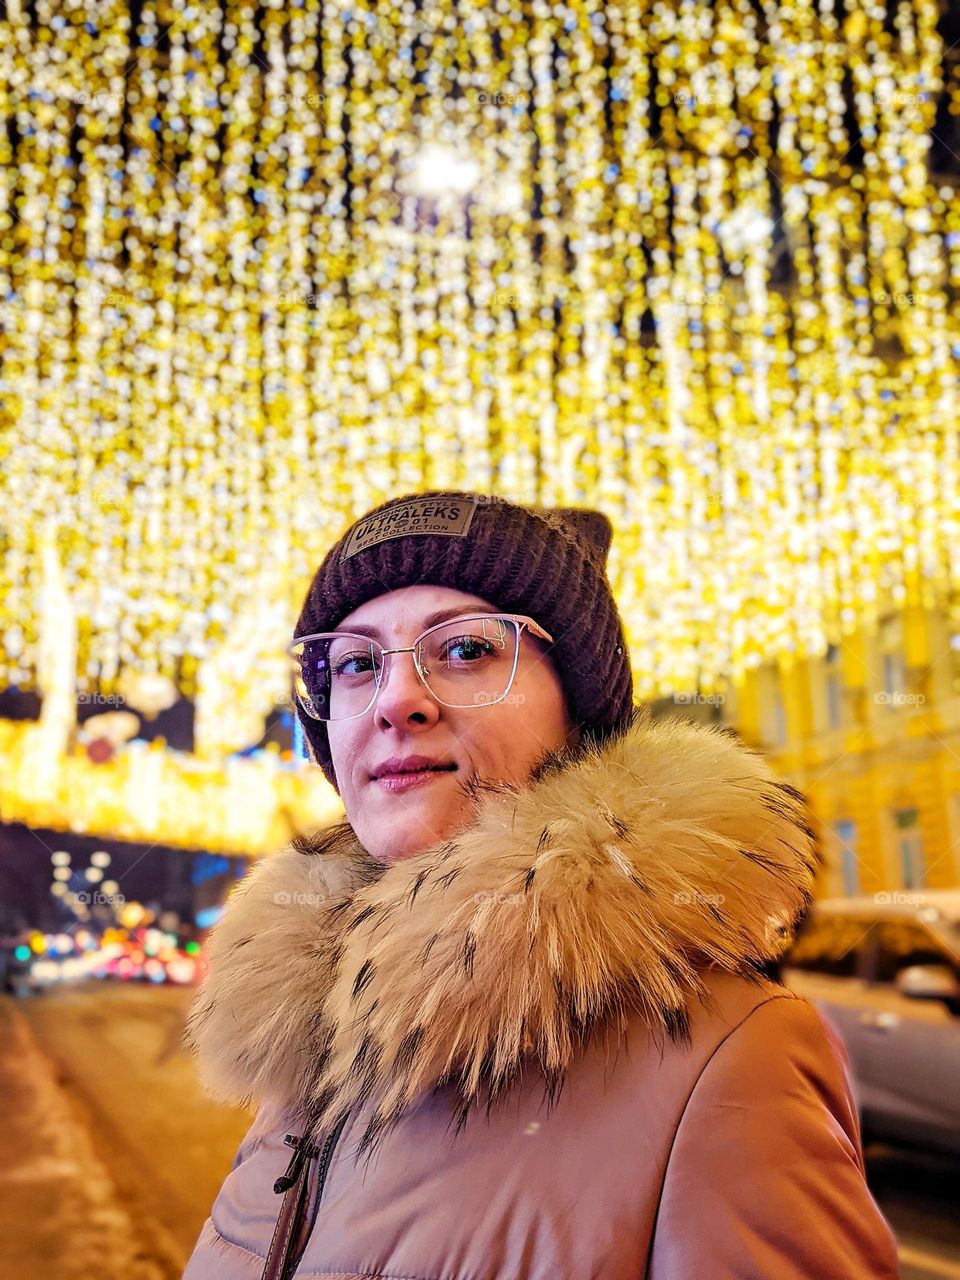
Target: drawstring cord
(302, 1151)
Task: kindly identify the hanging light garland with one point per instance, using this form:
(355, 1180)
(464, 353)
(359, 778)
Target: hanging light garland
(145, 792)
(264, 266)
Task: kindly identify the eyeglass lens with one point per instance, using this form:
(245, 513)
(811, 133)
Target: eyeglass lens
(464, 663)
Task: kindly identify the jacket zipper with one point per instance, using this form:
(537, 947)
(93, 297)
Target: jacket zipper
(326, 1155)
(286, 1249)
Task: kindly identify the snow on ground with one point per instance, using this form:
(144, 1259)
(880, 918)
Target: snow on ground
(60, 1215)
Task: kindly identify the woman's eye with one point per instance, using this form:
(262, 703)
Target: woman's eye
(341, 668)
(473, 646)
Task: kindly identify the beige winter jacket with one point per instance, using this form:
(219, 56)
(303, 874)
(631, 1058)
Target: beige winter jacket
(542, 1050)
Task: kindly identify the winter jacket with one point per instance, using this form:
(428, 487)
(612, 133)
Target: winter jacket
(543, 1049)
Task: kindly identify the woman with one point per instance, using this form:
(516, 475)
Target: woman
(509, 1020)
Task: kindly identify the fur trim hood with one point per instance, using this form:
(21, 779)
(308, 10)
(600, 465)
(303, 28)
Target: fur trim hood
(601, 887)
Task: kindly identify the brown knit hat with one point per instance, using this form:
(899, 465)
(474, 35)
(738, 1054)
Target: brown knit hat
(547, 562)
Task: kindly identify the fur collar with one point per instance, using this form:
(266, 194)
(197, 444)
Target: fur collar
(600, 887)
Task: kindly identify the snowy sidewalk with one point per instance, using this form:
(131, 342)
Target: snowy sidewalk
(60, 1217)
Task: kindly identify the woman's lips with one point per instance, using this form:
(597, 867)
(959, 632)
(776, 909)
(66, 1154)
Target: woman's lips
(404, 781)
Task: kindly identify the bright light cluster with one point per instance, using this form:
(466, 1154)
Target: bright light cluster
(257, 277)
(150, 793)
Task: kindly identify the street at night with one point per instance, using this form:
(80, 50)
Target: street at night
(143, 1144)
(160, 1149)
(480, 632)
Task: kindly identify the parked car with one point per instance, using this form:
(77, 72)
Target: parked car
(886, 971)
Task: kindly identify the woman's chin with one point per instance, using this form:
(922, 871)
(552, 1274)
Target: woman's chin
(409, 839)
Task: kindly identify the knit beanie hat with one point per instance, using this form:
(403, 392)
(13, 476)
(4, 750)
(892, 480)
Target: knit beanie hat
(547, 562)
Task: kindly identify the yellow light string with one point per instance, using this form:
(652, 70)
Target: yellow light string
(147, 793)
(237, 313)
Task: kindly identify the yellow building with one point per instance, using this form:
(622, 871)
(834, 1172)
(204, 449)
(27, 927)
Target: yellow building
(871, 733)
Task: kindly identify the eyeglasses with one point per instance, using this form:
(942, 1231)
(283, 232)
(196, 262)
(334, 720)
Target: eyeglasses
(469, 661)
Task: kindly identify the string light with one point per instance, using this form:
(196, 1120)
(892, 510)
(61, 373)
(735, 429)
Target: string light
(147, 793)
(260, 272)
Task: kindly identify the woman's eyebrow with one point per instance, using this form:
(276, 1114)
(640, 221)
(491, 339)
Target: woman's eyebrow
(358, 628)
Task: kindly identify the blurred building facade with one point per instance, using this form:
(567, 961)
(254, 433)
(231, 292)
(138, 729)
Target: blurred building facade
(870, 732)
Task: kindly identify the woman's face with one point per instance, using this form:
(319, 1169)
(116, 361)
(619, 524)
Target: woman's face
(499, 742)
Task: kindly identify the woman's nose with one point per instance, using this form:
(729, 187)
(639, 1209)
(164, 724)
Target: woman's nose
(401, 689)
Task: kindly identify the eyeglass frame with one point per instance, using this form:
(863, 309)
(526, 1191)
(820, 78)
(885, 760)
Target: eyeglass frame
(521, 619)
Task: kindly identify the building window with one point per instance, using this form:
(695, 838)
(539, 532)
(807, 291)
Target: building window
(894, 677)
(834, 684)
(772, 713)
(846, 833)
(910, 848)
(955, 661)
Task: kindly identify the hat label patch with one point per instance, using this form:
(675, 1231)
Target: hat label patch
(450, 518)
